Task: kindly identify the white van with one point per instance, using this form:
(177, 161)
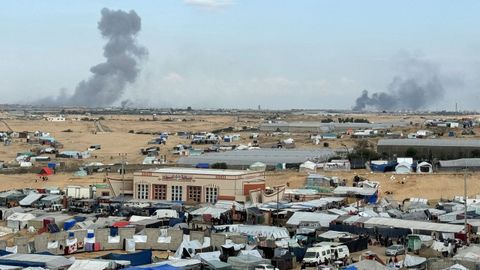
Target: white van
(317, 255)
(338, 251)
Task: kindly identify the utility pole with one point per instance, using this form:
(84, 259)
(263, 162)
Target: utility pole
(276, 217)
(123, 155)
(465, 200)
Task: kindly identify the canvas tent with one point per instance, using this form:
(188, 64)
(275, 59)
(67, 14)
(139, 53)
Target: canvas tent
(18, 221)
(424, 167)
(308, 166)
(46, 171)
(403, 168)
(258, 166)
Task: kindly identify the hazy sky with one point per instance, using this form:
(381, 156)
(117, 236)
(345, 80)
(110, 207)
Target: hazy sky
(245, 53)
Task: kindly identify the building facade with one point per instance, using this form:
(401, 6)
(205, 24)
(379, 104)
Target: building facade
(196, 185)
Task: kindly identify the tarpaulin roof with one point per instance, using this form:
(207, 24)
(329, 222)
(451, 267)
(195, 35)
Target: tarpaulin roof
(139, 258)
(366, 265)
(209, 210)
(31, 198)
(323, 219)
(155, 267)
(271, 232)
(89, 265)
(26, 260)
(414, 224)
(121, 224)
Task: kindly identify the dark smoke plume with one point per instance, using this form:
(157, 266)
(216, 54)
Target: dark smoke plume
(109, 79)
(418, 86)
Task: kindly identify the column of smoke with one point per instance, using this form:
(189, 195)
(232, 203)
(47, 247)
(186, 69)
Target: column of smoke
(418, 86)
(110, 78)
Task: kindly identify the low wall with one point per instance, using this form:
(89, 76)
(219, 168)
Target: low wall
(58, 241)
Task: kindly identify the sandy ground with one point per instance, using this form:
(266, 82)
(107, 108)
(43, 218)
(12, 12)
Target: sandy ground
(429, 186)
(120, 141)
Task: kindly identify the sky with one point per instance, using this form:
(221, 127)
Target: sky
(278, 54)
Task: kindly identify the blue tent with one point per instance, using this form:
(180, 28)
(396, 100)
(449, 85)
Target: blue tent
(159, 267)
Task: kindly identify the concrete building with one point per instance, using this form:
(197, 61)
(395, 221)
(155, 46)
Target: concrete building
(196, 185)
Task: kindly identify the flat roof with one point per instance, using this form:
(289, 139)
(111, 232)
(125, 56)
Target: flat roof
(334, 125)
(268, 156)
(179, 170)
(430, 142)
(414, 224)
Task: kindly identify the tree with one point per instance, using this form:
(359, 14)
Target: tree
(411, 152)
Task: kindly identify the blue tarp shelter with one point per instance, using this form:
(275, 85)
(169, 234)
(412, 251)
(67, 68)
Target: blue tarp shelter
(159, 267)
(138, 258)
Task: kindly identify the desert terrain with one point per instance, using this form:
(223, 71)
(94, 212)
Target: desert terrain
(123, 139)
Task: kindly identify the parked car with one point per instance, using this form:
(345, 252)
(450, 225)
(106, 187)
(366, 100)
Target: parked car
(395, 250)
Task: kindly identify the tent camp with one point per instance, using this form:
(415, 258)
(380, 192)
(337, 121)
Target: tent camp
(424, 167)
(403, 168)
(258, 166)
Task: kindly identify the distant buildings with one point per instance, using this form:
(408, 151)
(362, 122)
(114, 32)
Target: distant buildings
(430, 148)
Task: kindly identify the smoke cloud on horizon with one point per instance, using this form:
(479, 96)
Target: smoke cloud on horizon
(418, 86)
(110, 78)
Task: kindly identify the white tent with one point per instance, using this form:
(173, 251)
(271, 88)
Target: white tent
(90, 265)
(424, 167)
(18, 221)
(413, 261)
(403, 168)
(258, 166)
(308, 166)
(209, 210)
(456, 267)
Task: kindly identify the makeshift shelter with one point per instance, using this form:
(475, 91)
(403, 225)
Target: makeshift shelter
(308, 166)
(367, 265)
(46, 171)
(456, 267)
(91, 265)
(156, 267)
(471, 254)
(30, 199)
(18, 221)
(411, 261)
(36, 260)
(403, 168)
(209, 210)
(138, 258)
(300, 217)
(424, 167)
(382, 166)
(246, 262)
(258, 166)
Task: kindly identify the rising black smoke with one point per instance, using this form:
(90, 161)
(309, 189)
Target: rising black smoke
(418, 86)
(122, 53)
